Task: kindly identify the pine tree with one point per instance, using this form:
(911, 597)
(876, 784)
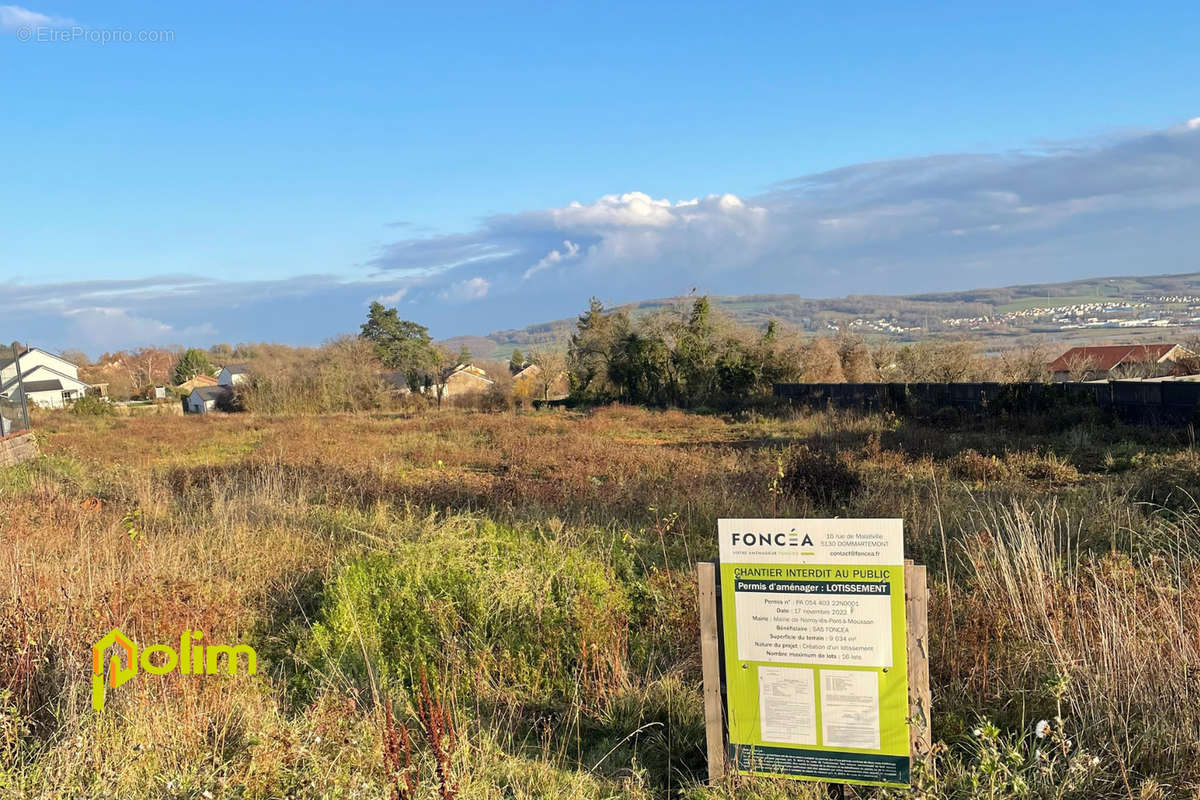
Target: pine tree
(193, 362)
(400, 344)
(589, 353)
(696, 355)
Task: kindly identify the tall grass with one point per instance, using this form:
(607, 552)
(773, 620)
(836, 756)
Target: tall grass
(537, 569)
(1119, 634)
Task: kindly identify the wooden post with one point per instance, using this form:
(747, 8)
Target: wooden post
(710, 654)
(916, 599)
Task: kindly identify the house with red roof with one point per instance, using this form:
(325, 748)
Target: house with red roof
(1117, 361)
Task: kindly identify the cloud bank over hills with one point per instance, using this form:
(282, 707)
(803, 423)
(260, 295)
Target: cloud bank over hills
(1125, 203)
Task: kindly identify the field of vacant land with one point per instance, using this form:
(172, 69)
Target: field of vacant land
(455, 604)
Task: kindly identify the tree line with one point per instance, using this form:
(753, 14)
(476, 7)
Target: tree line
(687, 356)
(698, 358)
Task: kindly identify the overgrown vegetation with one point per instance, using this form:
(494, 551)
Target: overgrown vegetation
(686, 355)
(470, 605)
(341, 376)
(92, 406)
(699, 358)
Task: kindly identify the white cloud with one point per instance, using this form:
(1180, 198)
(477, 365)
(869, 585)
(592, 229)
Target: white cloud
(614, 236)
(637, 210)
(104, 328)
(553, 258)
(633, 209)
(394, 297)
(466, 290)
(14, 17)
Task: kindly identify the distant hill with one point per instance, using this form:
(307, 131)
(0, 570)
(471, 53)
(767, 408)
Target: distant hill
(1126, 307)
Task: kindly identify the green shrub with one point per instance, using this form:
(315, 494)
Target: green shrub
(92, 406)
(514, 618)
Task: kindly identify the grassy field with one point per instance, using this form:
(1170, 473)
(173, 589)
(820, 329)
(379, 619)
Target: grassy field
(475, 605)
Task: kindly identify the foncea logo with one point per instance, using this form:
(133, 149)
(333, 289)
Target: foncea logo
(780, 539)
(192, 658)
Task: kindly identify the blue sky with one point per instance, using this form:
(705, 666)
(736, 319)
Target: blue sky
(271, 169)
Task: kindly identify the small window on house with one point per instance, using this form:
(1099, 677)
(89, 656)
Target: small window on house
(66, 396)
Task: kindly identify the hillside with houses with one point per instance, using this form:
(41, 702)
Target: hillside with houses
(613, 354)
(1121, 308)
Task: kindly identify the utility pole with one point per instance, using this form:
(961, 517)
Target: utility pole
(21, 383)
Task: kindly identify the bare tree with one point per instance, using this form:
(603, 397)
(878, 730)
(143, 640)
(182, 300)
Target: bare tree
(76, 357)
(1080, 367)
(1027, 365)
(952, 362)
(857, 364)
(822, 363)
(148, 367)
(551, 364)
(1134, 370)
(444, 361)
(886, 358)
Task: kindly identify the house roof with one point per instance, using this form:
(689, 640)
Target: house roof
(53, 385)
(41, 368)
(470, 371)
(1108, 357)
(6, 358)
(197, 381)
(207, 393)
(531, 371)
(236, 369)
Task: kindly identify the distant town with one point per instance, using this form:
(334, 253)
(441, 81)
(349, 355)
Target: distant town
(1163, 311)
(1118, 308)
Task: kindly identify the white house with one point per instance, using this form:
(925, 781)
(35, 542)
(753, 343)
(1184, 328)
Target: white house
(50, 381)
(233, 374)
(205, 398)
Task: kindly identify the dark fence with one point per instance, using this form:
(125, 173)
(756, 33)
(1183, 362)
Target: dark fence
(1165, 402)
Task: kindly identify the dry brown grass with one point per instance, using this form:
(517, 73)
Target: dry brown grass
(1123, 634)
(238, 524)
